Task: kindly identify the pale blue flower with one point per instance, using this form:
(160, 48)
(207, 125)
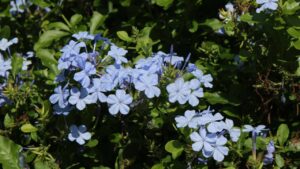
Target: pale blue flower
(173, 60)
(233, 132)
(118, 54)
(186, 120)
(152, 64)
(79, 134)
(80, 98)
(147, 84)
(5, 43)
(191, 67)
(204, 79)
(209, 118)
(269, 157)
(83, 77)
(257, 130)
(196, 92)
(60, 96)
(5, 66)
(83, 35)
(229, 7)
(18, 6)
(267, 4)
(119, 102)
(219, 150)
(203, 140)
(73, 48)
(178, 91)
(25, 64)
(96, 91)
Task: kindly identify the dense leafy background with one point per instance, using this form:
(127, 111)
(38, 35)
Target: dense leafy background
(254, 64)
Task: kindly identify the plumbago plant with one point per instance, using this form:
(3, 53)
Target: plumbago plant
(85, 99)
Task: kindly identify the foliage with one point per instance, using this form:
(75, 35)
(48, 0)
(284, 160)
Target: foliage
(250, 48)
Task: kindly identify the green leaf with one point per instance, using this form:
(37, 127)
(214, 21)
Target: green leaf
(175, 148)
(45, 164)
(158, 166)
(214, 24)
(279, 161)
(48, 37)
(194, 27)
(16, 64)
(75, 19)
(215, 98)
(9, 153)
(164, 3)
(8, 121)
(41, 3)
(296, 44)
(124, 36)
(282, 134)
(28, 128)
(58, 26)
(92, 143)
(48, 60)
(96, 21)
(293, 32)
(290, 7)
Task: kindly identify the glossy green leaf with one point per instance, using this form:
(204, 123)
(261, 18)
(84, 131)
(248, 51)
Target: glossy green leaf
(279, 161)
(9, 153)
(16, 64)
(282, 134)
(124, 36)
(96, 21)
(75, 19)
(9, 121)
(28, 128)
(175, 148)
(164, 3)
(293, 32)
(48, 37)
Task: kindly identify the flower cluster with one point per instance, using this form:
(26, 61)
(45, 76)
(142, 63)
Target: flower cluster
(266, 5)
(6, 65)
(105, 77)
(210, 132)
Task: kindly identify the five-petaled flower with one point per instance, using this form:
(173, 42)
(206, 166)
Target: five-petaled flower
(119, 102)
(79, 134)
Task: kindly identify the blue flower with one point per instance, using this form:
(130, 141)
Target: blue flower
(73, 48)
(18, 6)
(203, 140)
(83, 76)
(83, 35)
(5, 44)
(256, 130)
(186, 120)
(267, 4)
(79, 134)
(204, 79)
(268, 159)
(178, 91)
(96, 91)
(191, 67)
(80, 98)
(196, 92)
(60, 95)
(147, 84)
(118, 54)
(173, 60)
(5, 65)
(219, 150)
(233, 132)
(119, 102)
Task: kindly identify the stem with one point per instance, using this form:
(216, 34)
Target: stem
(254, 145)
